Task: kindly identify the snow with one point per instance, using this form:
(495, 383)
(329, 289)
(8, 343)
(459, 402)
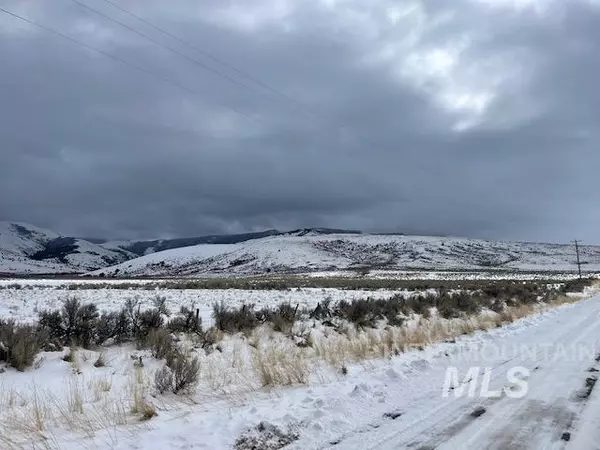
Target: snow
(15, 247)
(175, 257)
(19, 242)
(588, 432)
(23, 304)
(389, 403)
(322, 253)
(301, 252)
(31, 240)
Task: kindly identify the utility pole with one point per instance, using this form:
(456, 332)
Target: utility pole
(578, 261)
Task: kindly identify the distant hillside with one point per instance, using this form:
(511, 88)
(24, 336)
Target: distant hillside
(141, 248)
(301, 251)
(27, 249)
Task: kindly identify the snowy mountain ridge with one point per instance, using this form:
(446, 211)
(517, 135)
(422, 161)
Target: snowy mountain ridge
(146, 247)
(310, 252)
(27, 249)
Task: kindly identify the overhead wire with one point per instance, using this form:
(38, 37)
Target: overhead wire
(206, 54)
(169, 48)
(339, 127)
(120, 60)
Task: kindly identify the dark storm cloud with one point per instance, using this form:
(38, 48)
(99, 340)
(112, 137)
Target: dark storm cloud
(475, 118)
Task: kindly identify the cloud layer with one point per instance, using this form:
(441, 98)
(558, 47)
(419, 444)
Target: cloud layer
(472, 117)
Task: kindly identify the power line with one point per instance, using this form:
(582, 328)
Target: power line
(124, 62)
(118, 59)
(171, 49)
(203, 65)
(134, 66)
(206, 54)
(218, 60)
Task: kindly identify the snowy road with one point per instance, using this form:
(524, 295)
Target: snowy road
(559, 354)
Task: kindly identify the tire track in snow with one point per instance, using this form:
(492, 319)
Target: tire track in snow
(455, 413)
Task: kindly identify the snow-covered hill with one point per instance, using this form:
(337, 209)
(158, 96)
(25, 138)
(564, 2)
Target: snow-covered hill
(28, 249)
(306, 252)
(141, 248)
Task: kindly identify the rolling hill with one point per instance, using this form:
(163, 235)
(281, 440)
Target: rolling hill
(27, 249)
(141, 248)
(306, 252)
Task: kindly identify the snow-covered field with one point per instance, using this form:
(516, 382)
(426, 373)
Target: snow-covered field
(389, 403)
(392, 400)
(23, 304)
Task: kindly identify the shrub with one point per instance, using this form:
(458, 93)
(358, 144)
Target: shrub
(186, 371)
(322, 311)
(105, 327)
(74, 323)
(115, 326)
(19, 344)
(160, 343)
(577, 284)
(360, 312)
(447, 306)
(163, 380)
(513, 293)
(284, 317)
(141, 322)
(160, 304)
(85, 324)
(232, 320)
(51, 322)
(208, 338)
(467, 302)
(188, 321)
(123, 328)
(391, 309)
(420, 304)
(149, 320)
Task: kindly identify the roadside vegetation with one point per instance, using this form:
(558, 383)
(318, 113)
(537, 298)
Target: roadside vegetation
(83, 325)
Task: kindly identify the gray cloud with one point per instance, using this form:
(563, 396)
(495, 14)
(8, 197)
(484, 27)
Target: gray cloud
(475, 118)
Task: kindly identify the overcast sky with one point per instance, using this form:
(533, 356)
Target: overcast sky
(477, 118)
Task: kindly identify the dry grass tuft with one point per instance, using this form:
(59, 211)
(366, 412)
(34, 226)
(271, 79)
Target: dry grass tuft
(275, 366)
